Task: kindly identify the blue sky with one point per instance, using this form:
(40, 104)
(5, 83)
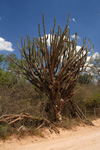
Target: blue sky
(21, 17)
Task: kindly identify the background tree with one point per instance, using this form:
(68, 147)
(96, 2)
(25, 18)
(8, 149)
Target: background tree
(53, 69)
(1, 61)
(8, 77)
(85, 79)
(95, 69)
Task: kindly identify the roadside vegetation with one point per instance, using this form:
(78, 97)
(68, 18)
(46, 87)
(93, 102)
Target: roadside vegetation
(45, 89)
(18, 96)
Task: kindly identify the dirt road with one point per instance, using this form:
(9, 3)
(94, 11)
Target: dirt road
(79, 138)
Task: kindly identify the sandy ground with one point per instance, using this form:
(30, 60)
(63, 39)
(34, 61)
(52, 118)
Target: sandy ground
(79, 138)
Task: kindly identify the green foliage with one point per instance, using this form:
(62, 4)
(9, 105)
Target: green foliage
(96, 67)
(3, 131)
(7, 76)
(85, 79)
(9, 64)
(88, 96)
(1, 59)
(98, 83)
(93, 100)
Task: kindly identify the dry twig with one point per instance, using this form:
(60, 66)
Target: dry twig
(11, 119)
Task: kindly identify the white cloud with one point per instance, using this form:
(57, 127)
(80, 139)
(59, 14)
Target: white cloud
(5, 45)
(73, 19)
(78, 48)
(88, 58)
(52, 37)
(73, 36)
(96, 55)
(0, 18)
(48, 40)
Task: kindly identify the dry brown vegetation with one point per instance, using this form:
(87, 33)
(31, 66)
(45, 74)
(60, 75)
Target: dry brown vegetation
(14, 101)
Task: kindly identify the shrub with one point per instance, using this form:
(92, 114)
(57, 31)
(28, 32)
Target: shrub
(3, 131)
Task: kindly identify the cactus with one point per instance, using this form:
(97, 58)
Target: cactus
(54, 69)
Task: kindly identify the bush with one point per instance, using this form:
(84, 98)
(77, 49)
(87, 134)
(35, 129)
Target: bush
(93, 100)
(3, 131)
(22, 98)
(88, 99)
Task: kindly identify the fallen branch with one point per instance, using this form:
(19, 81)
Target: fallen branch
(81, 115)
(78, 112)
(41, 125)
(15, 120)
(11, 119)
